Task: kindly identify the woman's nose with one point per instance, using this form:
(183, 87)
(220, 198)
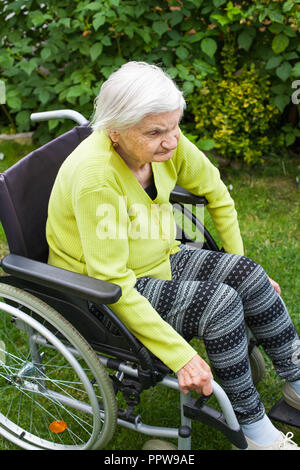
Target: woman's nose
(170, 142)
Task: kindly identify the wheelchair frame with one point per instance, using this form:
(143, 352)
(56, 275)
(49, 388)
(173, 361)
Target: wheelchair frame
(86, 329)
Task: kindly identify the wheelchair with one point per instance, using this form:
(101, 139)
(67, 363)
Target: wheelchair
(64, 355)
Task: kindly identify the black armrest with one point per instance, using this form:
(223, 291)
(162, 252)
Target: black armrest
(180, 194)
(86, 287)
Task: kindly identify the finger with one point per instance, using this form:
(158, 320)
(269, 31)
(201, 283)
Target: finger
(276, 287)
(183, 386)
(204, 386)
(207, 389)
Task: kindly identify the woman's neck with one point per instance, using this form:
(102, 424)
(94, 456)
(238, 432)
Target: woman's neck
(144, 175)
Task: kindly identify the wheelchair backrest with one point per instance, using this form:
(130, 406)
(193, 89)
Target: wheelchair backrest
(25, 190)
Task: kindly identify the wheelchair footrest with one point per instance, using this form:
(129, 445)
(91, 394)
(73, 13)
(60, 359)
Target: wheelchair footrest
(284, 413)
(195, 409)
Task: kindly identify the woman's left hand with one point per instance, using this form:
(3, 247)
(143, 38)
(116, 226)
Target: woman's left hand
(275, 285)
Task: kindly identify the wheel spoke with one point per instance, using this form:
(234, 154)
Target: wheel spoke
(42, 382)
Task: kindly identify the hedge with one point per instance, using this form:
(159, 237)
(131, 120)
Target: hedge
(57, 54)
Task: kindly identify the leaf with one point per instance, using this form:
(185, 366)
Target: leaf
(106, 41)
(46, 53)
(96, 50)
(94, 6)
(281, 101)
(23, 120)
(28, 66)
(85, 98)
(276, 28)
(176, 18)
(296, 70)
(53, 123)
(276, 16)
(287, 6)
(172, 72)
(232, 10)
(129, 30)
(6, 61)
(174, 35)
(245, 40)
(198, 3)
(160, 27)
(43, 95)
(209, 46)
(182, 52)
(262, 15)
(65, 22)
(75, 91)
(145, 35)
(14, 102)
(291, 55)
(187, 88)
(206, 144)
(223, 20)
(280, 43)
(273, 62)
(218, 3)
(280, 89)
(38, 18)
(195, 37)
(183, 72)
(15, 6)
(98, 21)
(203, 67)
(290, 139)
(288, 31)
(284, 71)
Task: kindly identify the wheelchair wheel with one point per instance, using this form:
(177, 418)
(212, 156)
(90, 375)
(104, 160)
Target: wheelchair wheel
(55, 393)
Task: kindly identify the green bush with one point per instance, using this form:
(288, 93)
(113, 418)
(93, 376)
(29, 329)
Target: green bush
(57, 54)
(234, 113)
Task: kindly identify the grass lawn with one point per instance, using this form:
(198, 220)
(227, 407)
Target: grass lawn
(267, 201)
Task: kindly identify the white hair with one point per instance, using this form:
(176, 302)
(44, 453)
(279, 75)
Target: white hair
(135, 90)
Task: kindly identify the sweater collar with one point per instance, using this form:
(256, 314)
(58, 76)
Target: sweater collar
(103, 141)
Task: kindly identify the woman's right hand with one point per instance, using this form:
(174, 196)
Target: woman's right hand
(195, 376)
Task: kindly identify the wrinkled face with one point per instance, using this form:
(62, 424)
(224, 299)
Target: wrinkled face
(153, 139)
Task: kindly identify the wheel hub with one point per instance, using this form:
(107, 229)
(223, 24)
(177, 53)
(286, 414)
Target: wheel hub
(28, 372)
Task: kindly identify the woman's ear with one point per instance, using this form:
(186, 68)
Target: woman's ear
(114, 136)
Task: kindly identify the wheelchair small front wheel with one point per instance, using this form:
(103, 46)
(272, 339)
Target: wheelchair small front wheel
(55, 394)
(158, 444)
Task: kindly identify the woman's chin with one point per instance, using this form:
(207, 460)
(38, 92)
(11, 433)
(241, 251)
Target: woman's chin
(162, 157)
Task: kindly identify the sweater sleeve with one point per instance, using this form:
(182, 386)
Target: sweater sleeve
(199, 176)
(101, 218)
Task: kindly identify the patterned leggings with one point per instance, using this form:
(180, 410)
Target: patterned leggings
(211, 296)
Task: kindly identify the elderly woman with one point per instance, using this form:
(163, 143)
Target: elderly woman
(110, 218)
